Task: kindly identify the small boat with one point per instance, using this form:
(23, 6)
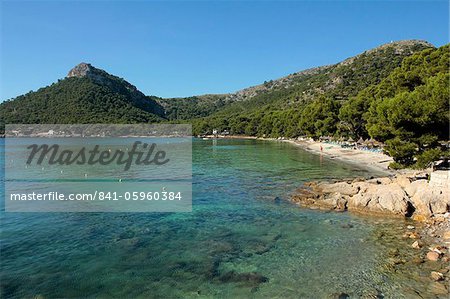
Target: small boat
(206, 138)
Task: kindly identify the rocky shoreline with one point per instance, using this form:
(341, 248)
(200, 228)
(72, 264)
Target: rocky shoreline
(423, 199)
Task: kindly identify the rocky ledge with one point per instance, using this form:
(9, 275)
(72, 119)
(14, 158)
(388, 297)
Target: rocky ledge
(422, 197)
(419, 196)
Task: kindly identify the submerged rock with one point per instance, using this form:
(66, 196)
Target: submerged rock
(437, 288)
(437, 276)
(251, 278)
(446, 235)
(433, 256)
(416, 245)
(414, 235)
(419, 218)
(347, 225)
(339, 296)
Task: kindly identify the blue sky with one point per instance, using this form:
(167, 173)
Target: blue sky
(174, 49)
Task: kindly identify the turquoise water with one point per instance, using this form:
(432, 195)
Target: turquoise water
(243, 239)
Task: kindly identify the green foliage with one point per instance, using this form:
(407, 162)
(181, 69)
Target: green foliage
(192, 107)
(319, 118)
(352, 113)
(414, 71)
(406, 107)
(386, 93)
(402, 151)
(77, 100)
(410, 109)
(275, 109)
(396, 166)
(426, 157)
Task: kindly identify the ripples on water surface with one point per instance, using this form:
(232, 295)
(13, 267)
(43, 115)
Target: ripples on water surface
(241, 240)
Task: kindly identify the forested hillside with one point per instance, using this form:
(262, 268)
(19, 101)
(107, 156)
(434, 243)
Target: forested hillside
(275, 108)
(397, 93)
(86, 95)
(192, 107)
(89, 94)
(409, 110)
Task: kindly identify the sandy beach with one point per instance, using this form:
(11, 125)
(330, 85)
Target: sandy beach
(370, 160)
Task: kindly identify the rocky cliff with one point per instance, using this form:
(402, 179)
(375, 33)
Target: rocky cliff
(417, 196)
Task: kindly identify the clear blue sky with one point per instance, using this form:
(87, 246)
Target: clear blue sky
(173, 49)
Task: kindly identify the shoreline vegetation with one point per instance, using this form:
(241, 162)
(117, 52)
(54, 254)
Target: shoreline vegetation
(422, 198)
(395, 94)
(406, 109)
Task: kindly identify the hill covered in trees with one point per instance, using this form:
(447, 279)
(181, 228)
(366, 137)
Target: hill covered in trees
(86, 95)
(339, 80)
(396, 93)
(409, 110)
(274, 108)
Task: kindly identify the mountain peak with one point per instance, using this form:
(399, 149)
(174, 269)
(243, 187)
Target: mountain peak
(99, 76)
(80, 70)
(400, 46)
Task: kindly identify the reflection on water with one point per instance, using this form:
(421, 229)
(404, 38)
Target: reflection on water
(241, 240)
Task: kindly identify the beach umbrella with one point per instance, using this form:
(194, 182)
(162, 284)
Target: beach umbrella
(360, 140)
(370, 142)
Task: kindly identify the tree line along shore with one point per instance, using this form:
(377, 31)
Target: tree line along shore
(396, 94)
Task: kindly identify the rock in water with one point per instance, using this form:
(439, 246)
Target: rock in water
(446, 235)
(437, 276)
(419, 218)
(414, 235)
(381, 198)
(416, 245)
(339, 296)
(343, 188)
(432, 256)
(437, 288)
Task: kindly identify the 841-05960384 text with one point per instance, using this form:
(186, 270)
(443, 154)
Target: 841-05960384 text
(99, 195)
(158, 195)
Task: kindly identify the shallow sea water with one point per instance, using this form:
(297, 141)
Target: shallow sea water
(242, 240)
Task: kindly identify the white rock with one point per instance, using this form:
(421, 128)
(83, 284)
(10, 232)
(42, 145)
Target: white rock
(341, 187)
(416, 245)
(383, 198)
(412, 188)
(403, 181)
